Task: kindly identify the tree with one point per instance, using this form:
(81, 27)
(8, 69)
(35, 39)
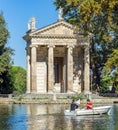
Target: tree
(111, 66)
(5, 58)
(98, 17)
(113, 60)
(18, 77)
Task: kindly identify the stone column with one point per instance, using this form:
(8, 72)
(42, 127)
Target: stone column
(33, 69)
(86, 70)
(28, 70)
(50, 68)
(70, 68)
(64, 74)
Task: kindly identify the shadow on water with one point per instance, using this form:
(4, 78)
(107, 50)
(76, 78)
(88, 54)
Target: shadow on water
(51, 117)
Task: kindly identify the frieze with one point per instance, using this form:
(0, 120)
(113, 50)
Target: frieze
(56, 41)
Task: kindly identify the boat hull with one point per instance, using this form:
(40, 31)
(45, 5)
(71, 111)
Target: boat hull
(94, 111)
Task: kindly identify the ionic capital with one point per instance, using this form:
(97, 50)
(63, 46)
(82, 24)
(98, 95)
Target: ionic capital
(70, 46)
(51, 46)
(32, 46)
(86, 45)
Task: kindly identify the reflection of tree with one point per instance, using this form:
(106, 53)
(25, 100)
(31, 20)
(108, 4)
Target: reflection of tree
(89, 123)
(4, 117)
(115, 117)
(8, 116)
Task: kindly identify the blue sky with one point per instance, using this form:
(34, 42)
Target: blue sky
(17, 13)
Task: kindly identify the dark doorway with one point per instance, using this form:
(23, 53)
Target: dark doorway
(58, 69)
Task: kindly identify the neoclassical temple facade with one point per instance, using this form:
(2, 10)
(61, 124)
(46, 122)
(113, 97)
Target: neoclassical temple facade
(57, 59)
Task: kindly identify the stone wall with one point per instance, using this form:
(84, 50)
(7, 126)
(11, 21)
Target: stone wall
(77, 69)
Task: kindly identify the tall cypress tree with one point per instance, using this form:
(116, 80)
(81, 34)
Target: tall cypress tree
(5, 58)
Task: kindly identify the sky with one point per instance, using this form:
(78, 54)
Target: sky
(16, 14)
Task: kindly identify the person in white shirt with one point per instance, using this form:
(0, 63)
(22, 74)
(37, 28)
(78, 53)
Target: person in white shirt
(74, 105)
(78, 102)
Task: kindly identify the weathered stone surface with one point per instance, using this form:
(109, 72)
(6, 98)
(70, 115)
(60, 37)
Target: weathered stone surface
(57, 60)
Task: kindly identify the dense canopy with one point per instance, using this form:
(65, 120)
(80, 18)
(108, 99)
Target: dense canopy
(100, 18)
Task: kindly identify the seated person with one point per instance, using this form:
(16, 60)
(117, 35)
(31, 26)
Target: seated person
(89, 104)
(73, 106)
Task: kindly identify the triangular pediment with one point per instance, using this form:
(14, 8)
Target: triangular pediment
(59, 28)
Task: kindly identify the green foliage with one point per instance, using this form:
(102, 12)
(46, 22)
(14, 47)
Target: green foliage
(78, 96)
(99, 18)
(6, 85)
(112, 60)
(106, 82)
(18, 75)
(111, 66)
(5, 59)
(20, 98)
(4, 34)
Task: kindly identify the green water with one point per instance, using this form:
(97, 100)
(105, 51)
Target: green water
(50, 117)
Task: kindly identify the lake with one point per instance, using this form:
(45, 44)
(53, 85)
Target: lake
(51, 117)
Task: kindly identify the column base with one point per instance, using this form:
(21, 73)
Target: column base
(33, 92)
(28, 92)
(54, 97)
(70, 91)
(50, 92)
(88, 94)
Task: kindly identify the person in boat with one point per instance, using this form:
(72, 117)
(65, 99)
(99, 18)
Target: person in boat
(77, 102)
(89, 104)
(74, 105)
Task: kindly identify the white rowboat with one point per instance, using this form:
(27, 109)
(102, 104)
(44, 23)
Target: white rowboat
(94, 111)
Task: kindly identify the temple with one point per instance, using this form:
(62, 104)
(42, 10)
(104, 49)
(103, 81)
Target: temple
(57, 58)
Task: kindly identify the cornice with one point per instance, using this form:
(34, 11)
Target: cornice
(27, 37)
(54, 36)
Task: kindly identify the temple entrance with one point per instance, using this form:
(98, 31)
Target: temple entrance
(58, 74)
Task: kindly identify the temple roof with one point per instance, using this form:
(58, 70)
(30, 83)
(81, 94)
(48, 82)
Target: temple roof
(58, 29)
